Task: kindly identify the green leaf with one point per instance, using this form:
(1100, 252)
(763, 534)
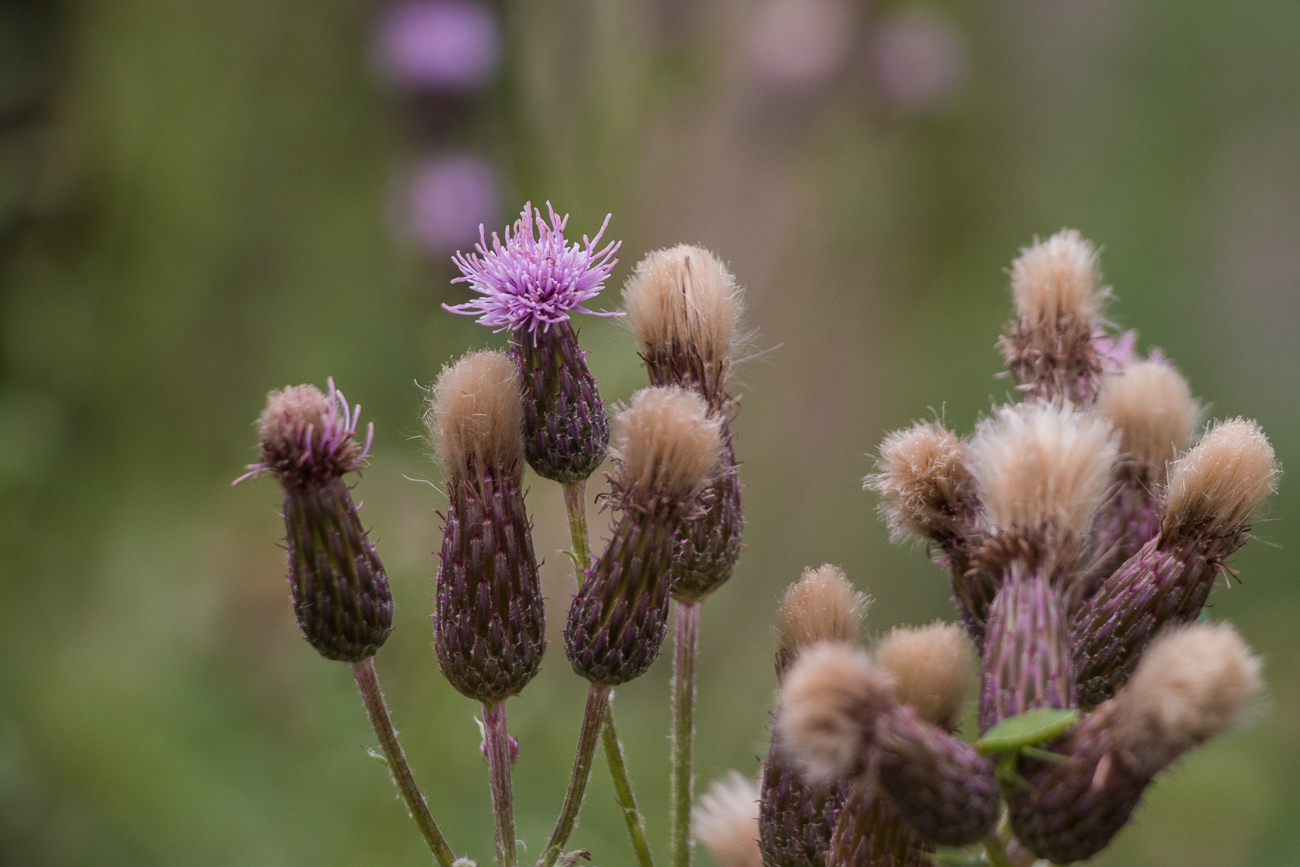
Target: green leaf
(1031, 727)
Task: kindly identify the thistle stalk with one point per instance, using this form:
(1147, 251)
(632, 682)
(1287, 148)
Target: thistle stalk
(592, 720)
(623, 789)
(685, 648)
(373, 696)
(497, 741)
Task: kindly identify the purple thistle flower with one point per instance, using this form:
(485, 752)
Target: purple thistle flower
(533, 281)
(305, 433)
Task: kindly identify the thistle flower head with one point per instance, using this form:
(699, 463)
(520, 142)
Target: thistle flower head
(1058, 278)
(830, 700)
(533, 279)
(1042, 464)
(821, 606)
(1151, 406)
(308, 435)
(931, 666)
(683, 296)
(1215, 487)
(475, 415)
(1193, 683)
(924, 484)
(726, 822)
(666, 445)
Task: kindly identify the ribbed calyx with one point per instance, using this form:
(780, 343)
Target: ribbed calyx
(340, 592)
(1053, 349)
(869, 832)
(489, 620)
(683, 305)
(795, 819)
(666, 448)
(566, 433)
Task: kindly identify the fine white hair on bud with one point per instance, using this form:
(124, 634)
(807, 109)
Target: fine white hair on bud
(932, 667)
(288, 413)
(666, 443)
(923, 481)
(1151, 406)
(726, 822)
(683, 295)
(829, 703)
(820, 606)
(1042, 463)
(1192, 683)
(1058, 278)
(1218, 485)
(475, 415)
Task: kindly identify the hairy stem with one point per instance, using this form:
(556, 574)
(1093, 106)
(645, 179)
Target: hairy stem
(623, 789)
(497, 737)
(592, 719)
(685, 645)
(368, 683)
(575, 506)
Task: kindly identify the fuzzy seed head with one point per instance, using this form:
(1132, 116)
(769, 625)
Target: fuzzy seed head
(685, 296)
(726, 822)
(1217, 486)
(475, 415)
(821, 606)
(308, 435)
(931, 666)
(830, 700)
(1151, 407)
(923, 481)
(1058, 278)
(1042, 464)
(667, 444)
(1193, 683)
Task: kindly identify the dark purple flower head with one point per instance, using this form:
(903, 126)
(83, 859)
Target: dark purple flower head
(306, 434)
(533, 281)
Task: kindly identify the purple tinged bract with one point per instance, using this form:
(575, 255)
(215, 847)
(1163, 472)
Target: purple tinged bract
(534, 279)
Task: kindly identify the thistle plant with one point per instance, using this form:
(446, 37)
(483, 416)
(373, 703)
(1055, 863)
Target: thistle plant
(1080, 529)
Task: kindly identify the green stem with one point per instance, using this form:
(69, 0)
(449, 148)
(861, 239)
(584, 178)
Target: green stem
(497, 737)
(368, 683)
(623, 789)
(592, 719)
(996, 852)
(685, 646)
(575, 505)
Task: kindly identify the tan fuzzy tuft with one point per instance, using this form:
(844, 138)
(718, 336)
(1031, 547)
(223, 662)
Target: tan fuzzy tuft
(830, 700)
(1058, 278)
(666, 444)
(1042, 464)
(1192, 683)
(932, 667)
(821, 606)
(288, 413)
(683, 295)
(1151, 406)
(475, 415)
(1216, 487)
(923, 482)
(726, 822)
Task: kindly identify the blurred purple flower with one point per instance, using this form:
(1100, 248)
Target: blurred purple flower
(438, 44)
(920, 59)
(800, 44)
(449, 198)
(532, 282)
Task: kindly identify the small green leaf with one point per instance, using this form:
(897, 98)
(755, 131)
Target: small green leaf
(573, 557)
(1031, 727)
(1042, 755)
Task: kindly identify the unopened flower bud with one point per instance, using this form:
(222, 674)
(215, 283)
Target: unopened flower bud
(869, 832)
(1192, 684)
(489, 622)
(667, 447)
(684, 306)
(1053, 348)
(340, 591)
(1212, 493)
(726, 822)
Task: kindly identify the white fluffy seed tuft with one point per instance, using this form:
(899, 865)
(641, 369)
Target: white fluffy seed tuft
(923, 481)
(1039, 464)
(476, 416)
(1218, 485)
(1151, 406)
(932, 667)
(666, 443)
(726, 822)
(830, 700)
(1192, 683)
(820, 606)
(683, 295)
(1058, 278)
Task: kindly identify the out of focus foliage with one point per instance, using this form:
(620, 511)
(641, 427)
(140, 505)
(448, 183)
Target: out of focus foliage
(201, 201)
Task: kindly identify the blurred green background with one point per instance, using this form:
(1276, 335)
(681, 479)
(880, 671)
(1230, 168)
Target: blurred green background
(202, 201)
